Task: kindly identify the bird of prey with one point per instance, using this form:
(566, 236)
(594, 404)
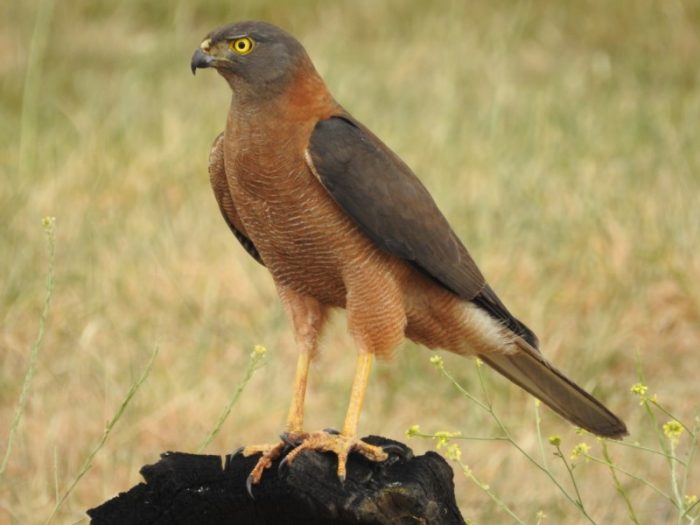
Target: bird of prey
(340, 221)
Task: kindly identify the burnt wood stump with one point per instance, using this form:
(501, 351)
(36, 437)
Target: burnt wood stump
(189, 489)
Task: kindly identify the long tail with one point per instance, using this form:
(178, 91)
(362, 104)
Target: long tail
(531, 371)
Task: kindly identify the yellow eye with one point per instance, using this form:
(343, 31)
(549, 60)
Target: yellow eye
(241, 46)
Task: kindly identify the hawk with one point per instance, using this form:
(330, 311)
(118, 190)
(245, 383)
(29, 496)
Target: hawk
(340, 221)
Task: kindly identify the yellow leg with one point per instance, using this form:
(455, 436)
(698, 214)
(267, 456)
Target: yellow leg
(295, 419)
(308, 317)
(295, 422)
(357, 395)
(347, 441)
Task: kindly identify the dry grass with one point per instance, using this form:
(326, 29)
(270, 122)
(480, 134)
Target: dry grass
(561, 139)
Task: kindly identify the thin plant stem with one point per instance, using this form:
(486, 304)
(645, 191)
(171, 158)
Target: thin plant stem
(674, 482)
(645, 449)
(87, 464)
(689, 462)
(479, 438)
(538, 425)
(691, 507)
(663, 409)
(655, 423)
(651, 415)
(579, 500)
(463, 438)
(618, 486)
(49, 224)
(462, 391)
(482, 382)
(634, 477)
(255, 362)
(55, 475)
(483, 486)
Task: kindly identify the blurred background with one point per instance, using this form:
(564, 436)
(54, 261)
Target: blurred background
(561, 139)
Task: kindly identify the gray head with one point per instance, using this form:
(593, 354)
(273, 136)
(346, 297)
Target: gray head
(256, 58)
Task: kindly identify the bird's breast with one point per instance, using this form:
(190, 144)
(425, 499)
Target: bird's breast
(305, 239)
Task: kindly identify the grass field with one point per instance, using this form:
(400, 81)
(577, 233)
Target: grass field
(561, 139)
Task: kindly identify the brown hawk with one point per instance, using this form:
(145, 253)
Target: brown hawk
(340, 221)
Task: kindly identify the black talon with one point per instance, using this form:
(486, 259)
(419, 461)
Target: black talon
(283, 465)
(249, 486)
(239, 450)
(331, 431)
(397, 450)
(284, 436)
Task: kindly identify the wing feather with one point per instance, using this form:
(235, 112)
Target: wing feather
(389, 203)
(394, 209)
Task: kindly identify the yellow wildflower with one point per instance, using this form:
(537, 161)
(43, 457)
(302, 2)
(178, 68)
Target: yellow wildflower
(673, 430)
(453, 452)
(443, 437)
(437, 361)
(582, 449)
(639, 389)
(412, 431)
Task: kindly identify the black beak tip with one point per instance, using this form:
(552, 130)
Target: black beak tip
(200, 60)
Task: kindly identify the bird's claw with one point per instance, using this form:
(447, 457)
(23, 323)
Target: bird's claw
(249, 485)
(325, 441)
(338, 444)
(270, 453)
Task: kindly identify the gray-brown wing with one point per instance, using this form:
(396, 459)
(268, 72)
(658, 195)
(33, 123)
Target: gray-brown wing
(393, 208)
(389, 203)
(217, 177)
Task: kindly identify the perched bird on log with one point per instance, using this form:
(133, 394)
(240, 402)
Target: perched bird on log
(340, 221)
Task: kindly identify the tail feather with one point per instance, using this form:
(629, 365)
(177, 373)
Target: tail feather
(531, 371)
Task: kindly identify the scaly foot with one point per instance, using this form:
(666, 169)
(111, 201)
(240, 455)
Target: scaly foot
(338, 444)
(269, 454)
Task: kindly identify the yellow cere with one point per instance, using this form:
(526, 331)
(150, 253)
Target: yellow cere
(205, 45)
(241, 46)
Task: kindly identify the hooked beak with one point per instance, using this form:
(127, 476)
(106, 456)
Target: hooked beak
(201, 60)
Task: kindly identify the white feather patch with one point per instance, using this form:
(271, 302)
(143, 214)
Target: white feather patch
(486, 334)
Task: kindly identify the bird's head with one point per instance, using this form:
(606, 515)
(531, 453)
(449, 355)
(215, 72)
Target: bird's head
(254, 57)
